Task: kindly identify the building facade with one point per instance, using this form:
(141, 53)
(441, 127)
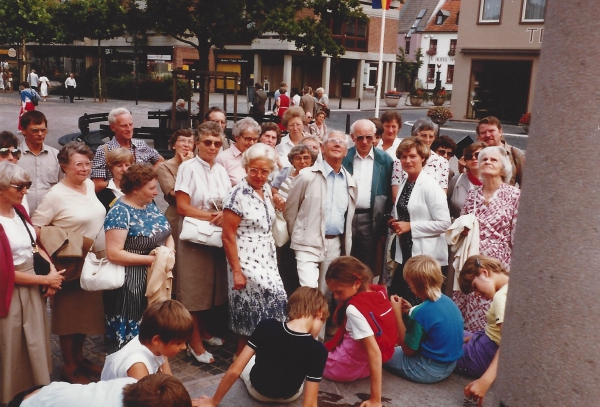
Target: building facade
(497, 58)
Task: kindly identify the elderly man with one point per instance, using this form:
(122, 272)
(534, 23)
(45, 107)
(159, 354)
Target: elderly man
(319, 212)
(489, 130)
(121, 123)
(307, 102)
(38, 159)
(372, 170)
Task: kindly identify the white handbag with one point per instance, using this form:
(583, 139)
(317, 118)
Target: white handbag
(100, 274)
(280, 230)
(201, 231)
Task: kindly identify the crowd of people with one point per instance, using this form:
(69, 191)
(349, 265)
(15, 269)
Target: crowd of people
(317, 234)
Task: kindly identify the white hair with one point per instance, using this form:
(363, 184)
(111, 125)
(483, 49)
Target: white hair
(11, 174)
(246, 124)
(112, 115)
(504, 160)
(260, 151)
(365, 122)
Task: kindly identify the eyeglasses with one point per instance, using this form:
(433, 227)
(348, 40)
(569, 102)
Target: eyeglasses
(4, 152)
(82, 164)
(209, 143)
(20, 187)
(250, 139)
(361, 138)
(185, 142)
(470, 156)
(255, 171)
(336, 141)
(444, 153)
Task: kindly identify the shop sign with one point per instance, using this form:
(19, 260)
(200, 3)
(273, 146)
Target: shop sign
(233, 60)
(155, 57)
(444, 59)
(11, 52)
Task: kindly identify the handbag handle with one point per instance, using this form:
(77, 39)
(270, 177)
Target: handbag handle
(34, 247)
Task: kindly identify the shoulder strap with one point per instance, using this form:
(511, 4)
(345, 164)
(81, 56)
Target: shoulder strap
(33, 244)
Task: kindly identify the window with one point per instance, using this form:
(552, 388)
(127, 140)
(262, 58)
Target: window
(452, 50)
(533, 11)
(490, 11)
(430, 72)
(407, 46)
(432, 48)
(352, 36)
(450, 74)
(439, 20)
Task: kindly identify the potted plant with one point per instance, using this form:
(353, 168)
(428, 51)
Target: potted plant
(439, 114)
(417, 96)
(524, 121)
(392, 97)
(431, 52)
(452, 52)
(439, 97)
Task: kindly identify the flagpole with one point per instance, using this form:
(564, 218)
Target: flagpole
(380, 68)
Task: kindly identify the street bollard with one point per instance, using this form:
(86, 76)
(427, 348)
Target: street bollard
(340, 107)
(358, 104)
(347, 123)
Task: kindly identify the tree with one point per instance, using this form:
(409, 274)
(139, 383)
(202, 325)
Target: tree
(407, 69)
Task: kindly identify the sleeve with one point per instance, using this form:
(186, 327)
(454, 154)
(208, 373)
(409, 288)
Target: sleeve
(117, 218)
(182, 182)
(166, 179)
(233, 202)
(153, 155)
(513, 221)
(46, 211)
(437, 205)
(319, 359)
(499, 305)
(397, 173)
(294, 200)
(259, 335)
(281, 176)
(468, 205)
(356, 324)
(414, 334)
(99, 164)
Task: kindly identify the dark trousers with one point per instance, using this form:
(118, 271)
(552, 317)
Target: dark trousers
(363, 241)
(71, 92)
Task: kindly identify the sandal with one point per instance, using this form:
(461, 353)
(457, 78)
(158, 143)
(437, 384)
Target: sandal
(206, 357)
(214, 341)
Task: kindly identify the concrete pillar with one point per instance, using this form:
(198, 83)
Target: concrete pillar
(326, 76)
(359, 78)
(257, 68)
(287, 71)
(392, 75)
(549, 354)
(386, 80)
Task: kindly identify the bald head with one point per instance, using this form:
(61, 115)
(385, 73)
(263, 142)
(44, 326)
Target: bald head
(363, 133)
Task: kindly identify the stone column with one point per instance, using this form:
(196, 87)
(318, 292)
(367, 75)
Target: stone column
(359, 78)
(287, 72)
(386, 80)
(325, 77)
(257, 68)
(392, 75)
(550, 354)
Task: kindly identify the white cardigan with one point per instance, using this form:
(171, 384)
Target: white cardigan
(429, 219)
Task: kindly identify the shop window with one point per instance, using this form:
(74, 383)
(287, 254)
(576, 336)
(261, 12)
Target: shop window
(431, 73)
(533, 11)
(450, 74)
(352, 35)
(490, 11)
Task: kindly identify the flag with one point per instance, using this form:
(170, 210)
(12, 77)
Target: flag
(381, 4)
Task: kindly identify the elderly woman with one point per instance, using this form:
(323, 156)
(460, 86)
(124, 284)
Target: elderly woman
(294, 120)
(9, 151)
(420, 215)
(201, 187)
(134, 226)
(245, 133)
(270, 134)
(461, 184)
(117, 162)
(24, 334)
(495, 205)
(256, 291)
(436, 167)
(318, 128)
(73, 206)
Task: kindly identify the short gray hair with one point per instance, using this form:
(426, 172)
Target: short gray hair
(112, 115)
(367, 123)
(12, 174)
(246, 124)
(209, 129)
(73, 147)
(506, 164)
(260, 151)
(332, 132)
(423, 124)
(301, 149)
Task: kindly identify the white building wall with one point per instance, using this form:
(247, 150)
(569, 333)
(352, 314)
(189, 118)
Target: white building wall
(441, 57)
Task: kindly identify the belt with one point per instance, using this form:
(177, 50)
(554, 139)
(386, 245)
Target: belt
(361, 211)
(331, 236)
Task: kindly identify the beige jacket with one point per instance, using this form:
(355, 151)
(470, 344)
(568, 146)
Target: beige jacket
(305, 211)
(160, 277)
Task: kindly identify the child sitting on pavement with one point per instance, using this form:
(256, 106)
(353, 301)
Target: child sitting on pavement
(487, 278)
(155, 390)
(279, 357)
(431, 340)
(165, 328)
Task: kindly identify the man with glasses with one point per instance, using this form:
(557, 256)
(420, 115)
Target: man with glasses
(319, 212)
(372, 170)
(38, 159)
(121, 123)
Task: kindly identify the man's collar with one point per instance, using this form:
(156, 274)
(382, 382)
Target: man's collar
(328, 169)
(370, 154)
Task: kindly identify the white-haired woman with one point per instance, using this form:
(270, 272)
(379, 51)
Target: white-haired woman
(246, 133)
(495, 205)
(256, 291)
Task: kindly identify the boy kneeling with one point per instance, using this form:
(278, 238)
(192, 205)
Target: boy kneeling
(280, 356)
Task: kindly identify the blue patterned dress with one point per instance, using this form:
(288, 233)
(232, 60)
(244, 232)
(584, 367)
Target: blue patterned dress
(123, 308)
(264, 296)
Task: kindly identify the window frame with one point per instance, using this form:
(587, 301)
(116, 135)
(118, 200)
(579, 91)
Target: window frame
(450, 78)
(523, 20)
(342, 38)
(430, 69)
(480, 19)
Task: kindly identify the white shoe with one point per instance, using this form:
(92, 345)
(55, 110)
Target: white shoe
(206, 357)
(214, 341)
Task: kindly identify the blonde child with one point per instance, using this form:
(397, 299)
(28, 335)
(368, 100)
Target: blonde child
(165, 328)
(430, 334)
(282, 360)
(367, 329)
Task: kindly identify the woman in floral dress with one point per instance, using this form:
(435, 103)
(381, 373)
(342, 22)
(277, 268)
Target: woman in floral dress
(134, 226)
(255, 288)
(495, 205)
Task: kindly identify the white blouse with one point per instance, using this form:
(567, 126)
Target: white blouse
(18, 238)
(207, 187)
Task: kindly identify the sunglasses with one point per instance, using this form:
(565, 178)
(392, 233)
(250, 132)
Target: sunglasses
(361, 138)
(20, 187)
(209, 143)
(470, 156)
(4, 152)
(444, 153)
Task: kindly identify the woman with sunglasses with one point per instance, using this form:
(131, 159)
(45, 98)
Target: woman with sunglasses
(461, 184)
(9, 151)
(495, 205)
(24, 334)
(201, 187)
